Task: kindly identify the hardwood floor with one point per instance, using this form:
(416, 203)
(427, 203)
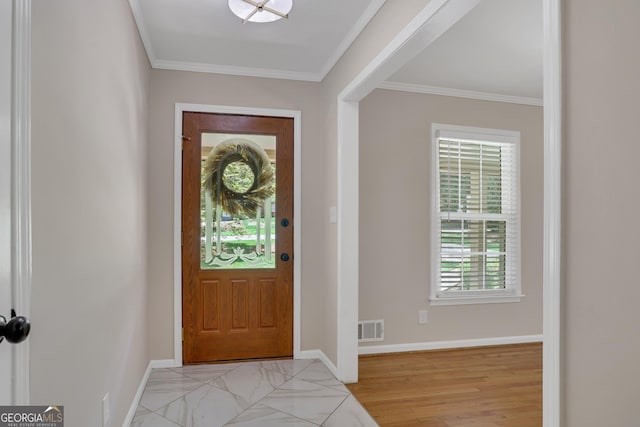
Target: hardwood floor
(477, 387)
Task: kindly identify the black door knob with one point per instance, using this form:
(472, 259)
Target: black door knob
(284, 257)
(284, 222)
(16, 330)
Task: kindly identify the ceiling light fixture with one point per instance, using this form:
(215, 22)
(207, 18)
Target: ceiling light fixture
(260, 10)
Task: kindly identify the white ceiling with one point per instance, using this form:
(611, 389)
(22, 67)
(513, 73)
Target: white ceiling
(494, 51)
(203, 35)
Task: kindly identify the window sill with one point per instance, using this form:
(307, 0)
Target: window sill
(476, 299)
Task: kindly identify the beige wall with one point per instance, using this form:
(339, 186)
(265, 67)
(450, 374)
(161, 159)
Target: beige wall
(601, 374)
(395, 200)
(170, 87)
(89, 159)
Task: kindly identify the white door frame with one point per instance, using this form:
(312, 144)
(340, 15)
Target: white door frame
(6, 289)
(431, 22)
(177, 212)
(21, 190)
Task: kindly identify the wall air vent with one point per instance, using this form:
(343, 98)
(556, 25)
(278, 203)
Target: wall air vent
(371, 330)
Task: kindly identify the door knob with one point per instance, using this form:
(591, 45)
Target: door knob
(284, 222)
(284, 257)
(15, 330)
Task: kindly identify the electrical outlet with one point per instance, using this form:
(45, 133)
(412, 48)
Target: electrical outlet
(106, 412)
(422, 317)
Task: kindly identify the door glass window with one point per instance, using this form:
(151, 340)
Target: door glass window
(237, 201)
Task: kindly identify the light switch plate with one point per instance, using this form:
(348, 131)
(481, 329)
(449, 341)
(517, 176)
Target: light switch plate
(333, 215)
(422, 316)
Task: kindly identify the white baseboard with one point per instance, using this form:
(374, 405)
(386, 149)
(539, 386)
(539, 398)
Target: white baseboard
(153, 364)
(319, 354)
(441, 345)
(163, 363)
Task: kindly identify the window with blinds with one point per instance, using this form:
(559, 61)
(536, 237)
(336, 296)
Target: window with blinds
(476, 232)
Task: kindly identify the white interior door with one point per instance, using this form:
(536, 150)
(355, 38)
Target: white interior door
(6, 375)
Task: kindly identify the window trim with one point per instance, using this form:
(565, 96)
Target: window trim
(513, 292)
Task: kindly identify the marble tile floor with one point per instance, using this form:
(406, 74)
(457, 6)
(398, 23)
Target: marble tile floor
(263, 394)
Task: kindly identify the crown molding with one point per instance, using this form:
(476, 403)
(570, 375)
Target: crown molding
(459, 93)
(136, 10)
(236, 71)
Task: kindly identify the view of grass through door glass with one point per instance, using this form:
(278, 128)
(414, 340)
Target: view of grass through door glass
(237, 201)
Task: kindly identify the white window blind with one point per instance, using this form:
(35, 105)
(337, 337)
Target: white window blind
(477, 210)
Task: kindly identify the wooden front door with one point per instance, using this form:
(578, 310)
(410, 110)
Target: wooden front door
(237, 225)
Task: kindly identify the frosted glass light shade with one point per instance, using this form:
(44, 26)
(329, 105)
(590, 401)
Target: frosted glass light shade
(259, 10)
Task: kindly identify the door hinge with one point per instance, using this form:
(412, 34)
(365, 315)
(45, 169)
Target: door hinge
(185, 138)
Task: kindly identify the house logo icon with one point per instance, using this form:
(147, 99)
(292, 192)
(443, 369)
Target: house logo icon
(32, 416)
